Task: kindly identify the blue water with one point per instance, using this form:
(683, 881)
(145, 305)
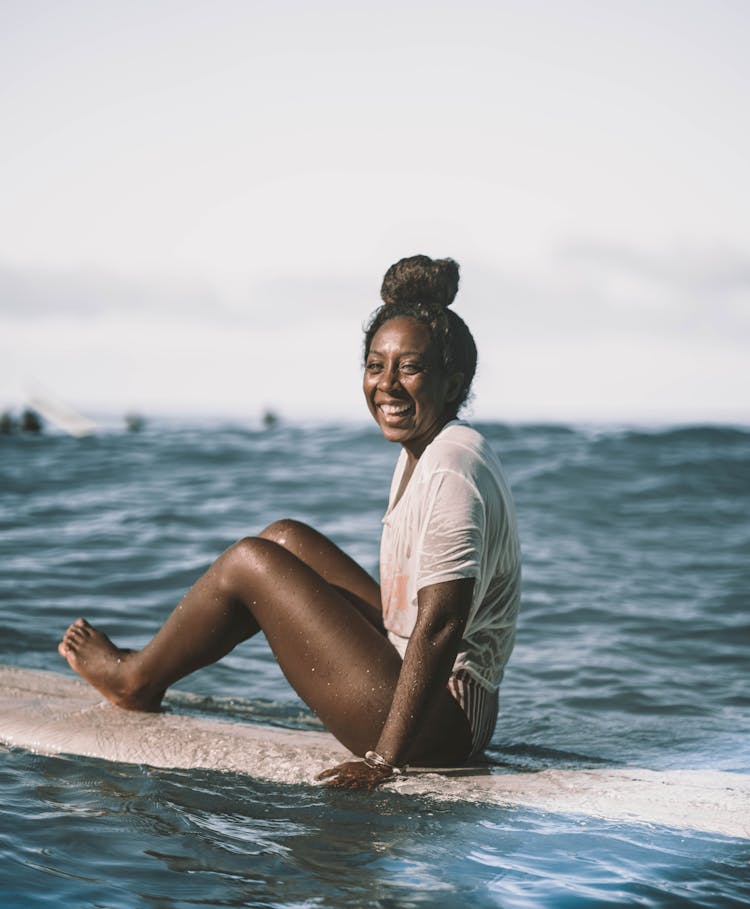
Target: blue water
(632, 650)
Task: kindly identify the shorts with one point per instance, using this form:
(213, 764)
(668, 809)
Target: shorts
(480, 704)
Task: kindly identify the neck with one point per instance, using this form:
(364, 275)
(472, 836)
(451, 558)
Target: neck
(415, 448)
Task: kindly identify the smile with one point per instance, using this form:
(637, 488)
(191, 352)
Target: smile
(394, 410)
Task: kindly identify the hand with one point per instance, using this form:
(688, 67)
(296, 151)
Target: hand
(355, 775)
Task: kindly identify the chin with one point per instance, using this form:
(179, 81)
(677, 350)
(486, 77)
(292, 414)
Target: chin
(390, 434)
(394, 433)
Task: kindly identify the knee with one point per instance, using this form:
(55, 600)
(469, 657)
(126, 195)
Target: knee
(249, 559)
(287, 533)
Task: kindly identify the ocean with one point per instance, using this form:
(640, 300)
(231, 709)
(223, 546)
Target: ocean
(632, 651)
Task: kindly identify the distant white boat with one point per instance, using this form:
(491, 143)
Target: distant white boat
(62, 415)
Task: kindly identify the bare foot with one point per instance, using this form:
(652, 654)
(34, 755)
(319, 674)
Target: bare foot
(110, 669)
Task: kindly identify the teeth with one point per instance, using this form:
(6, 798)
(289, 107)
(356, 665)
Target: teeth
(394, 410)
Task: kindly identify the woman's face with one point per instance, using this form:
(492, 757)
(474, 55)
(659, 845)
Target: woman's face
(406, 388)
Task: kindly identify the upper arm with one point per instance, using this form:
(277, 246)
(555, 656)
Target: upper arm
(454, 529)
(444, 608)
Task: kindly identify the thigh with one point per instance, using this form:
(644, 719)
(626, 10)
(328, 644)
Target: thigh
(331, 563)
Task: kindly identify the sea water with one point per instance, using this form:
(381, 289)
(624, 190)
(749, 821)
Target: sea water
(632, 651)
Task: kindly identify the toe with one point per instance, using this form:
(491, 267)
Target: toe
(71, 636)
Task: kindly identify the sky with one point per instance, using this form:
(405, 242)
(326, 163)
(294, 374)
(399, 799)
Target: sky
(198, 201)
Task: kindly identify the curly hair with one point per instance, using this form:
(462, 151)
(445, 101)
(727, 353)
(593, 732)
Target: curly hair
(449, 333)
(420, 279)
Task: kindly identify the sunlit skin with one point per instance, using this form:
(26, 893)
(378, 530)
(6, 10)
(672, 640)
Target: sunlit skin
(319, 610)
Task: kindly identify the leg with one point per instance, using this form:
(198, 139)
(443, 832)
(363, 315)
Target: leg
(337, 661)
(340, 664)
(331, 563)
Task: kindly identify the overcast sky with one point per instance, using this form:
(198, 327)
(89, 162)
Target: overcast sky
(198, 200)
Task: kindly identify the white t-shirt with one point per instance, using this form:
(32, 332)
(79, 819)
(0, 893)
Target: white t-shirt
(455, 519)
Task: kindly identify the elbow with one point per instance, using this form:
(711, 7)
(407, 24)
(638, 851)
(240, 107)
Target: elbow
(443, 611)
(444, 631)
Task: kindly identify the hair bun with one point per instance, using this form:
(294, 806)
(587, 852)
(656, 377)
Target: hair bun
(420, 279)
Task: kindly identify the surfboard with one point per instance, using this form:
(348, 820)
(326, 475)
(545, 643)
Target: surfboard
(62, 415)
(51, 713)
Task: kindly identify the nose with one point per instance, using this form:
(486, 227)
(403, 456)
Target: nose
(388, 378)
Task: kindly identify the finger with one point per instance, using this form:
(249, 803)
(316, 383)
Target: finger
(352, 781)
(334, 783)
(339, 781)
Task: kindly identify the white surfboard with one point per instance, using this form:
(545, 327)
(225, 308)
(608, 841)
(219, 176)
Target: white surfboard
(62, 415)
(50, 713)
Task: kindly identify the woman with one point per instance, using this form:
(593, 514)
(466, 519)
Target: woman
(405, 672)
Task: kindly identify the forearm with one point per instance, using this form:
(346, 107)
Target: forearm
(426, 668)
(427, 665)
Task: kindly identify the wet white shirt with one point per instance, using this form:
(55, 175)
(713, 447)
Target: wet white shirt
(455, 519)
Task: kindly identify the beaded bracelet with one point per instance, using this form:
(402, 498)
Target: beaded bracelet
(378, 762)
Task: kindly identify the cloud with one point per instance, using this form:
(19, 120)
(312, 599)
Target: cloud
(588, 290)
(291, 299)
(595, 331)
(309, 298)
(685, 290)
(38, 293)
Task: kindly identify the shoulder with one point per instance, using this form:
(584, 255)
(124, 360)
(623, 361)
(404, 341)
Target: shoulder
(460, 447)
(462, 455)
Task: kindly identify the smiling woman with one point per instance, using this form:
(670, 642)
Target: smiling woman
(440, 366)
(404, 671)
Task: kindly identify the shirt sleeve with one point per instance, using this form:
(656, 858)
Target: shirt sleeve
(451, 538)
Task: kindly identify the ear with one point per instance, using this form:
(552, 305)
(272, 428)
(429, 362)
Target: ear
(455, 384)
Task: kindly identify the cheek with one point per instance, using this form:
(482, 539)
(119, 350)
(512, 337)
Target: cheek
(367, 389)
(432, 398)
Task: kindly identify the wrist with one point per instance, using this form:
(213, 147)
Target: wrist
(378, 762)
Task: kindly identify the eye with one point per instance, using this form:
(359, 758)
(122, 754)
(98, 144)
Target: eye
(373, 366)
(411, 368)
